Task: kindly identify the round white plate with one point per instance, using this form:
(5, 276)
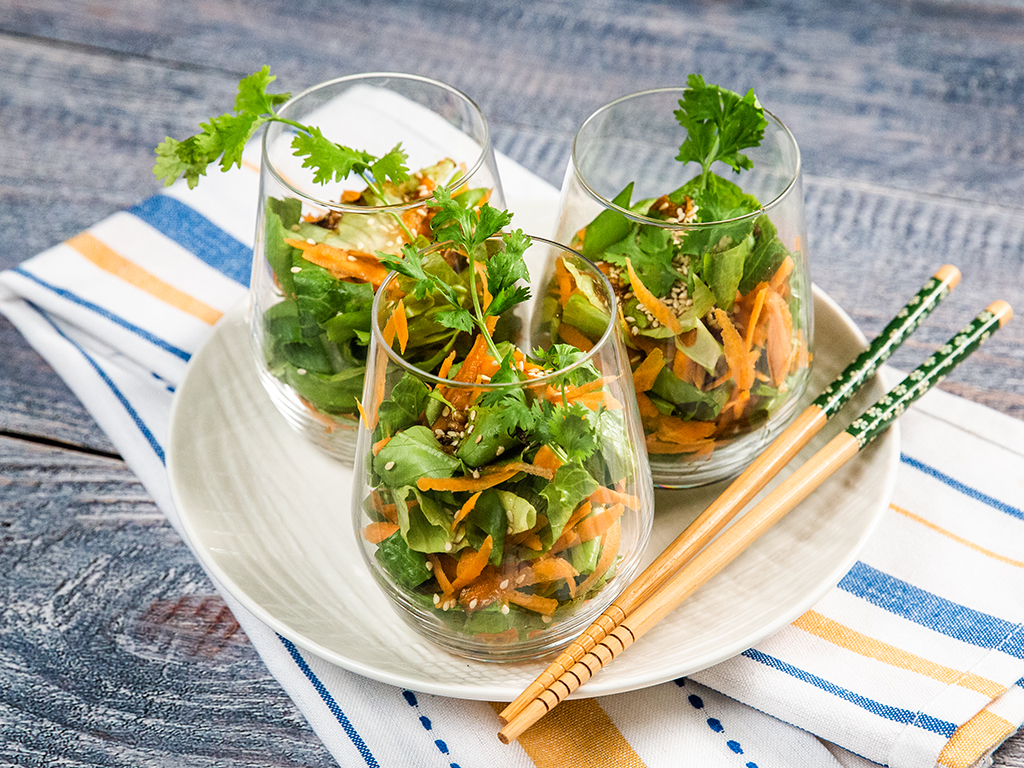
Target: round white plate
(268, 514)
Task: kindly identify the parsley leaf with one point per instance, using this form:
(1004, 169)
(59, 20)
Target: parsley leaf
(719, 123)
(224, 137)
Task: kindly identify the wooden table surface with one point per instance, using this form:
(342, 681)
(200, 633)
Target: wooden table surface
(114, 648)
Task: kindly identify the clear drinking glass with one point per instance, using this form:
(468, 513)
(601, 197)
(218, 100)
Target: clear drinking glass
(314, 269)
(719, 335)
(495, 541)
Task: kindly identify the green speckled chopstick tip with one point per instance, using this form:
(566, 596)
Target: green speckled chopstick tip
(847, 383)
(878, 417)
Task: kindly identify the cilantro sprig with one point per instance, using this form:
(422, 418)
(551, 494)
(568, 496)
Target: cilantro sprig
(223, 138)
(719, 123)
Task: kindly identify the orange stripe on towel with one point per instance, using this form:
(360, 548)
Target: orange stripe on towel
(109, 261)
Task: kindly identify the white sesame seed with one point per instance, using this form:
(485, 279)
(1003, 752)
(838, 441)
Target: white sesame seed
(447, 546)
(351, 257)
(446, 412)
(479, 438)
(311, 241)
(296, 270)
(501, 450)
(546, 619)
(390, 465)
(503, 584)
(504, 610)
(472, 414)
(520, 578)
(361, 246)
(476, 474)
(439, 432)
(471, 428)
(300, 371)
(472, 603)
(430, 565)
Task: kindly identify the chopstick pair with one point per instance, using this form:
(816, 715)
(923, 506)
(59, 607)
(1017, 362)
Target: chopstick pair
(673, 577)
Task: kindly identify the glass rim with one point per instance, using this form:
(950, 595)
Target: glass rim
(774, 202)
(451, 185)
(606, 337)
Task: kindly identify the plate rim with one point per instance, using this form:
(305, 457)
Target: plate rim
(500, 691)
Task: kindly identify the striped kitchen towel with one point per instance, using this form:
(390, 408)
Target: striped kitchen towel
(915, 659)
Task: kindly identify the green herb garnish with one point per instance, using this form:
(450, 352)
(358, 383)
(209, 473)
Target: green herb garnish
(223, 138)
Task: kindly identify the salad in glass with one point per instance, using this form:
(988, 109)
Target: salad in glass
(711, 278)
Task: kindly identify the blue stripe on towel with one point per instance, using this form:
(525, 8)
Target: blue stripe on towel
(332, 705)
(896, 714)
(929, 610)
(197, 234)
(132, 413)
(106, 314)
(964, 489)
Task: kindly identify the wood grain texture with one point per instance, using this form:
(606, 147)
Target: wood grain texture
(908, 116)
(114, 649)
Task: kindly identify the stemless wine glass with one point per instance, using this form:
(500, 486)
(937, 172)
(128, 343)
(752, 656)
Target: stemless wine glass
(314, 270)
(717, 313)
(499, 538)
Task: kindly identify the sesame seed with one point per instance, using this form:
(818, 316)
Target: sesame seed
(476, 474)
(390, 465)
(437, 598)
(472, 414)
(447, 546)
(504, 610)
(296, 270)
(361, 246)
(439, 432)
(447, 412)
(472, 603)
(479, 438)
(546, 619)
(470, 430)
(452, 433)
(520, 578)
(501, 450)
(311, 241)
(430, 565)
(351, 257)
(300, 371)
(503, 584)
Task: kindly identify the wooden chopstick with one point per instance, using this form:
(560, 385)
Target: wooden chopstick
(740, 492)
(765, 514)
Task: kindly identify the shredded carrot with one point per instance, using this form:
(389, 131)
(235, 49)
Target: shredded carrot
(401, 325)
(755, 314)
(542, 605)
(779, 344)
(375, 533)
(466, 509)
(569, 537)
(652, 303)
(594, 400)
(389, 512)
(546, 459)
(471, 563)
(466, 482)
(648, 370)
(380, 444)
(342, 263)
(439, 574)
(609, 496)
(366, 419)
(595, 525)
(647, 408)
(574, 337)
(656, 446)
(735, 352)
(446, 366)
(350, 196)
(672, 429)
(779, 280)
(548, 569)
(609, 552)
(564, 280)
(533, 542)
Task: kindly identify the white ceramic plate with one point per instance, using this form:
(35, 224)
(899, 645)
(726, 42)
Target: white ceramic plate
(268, 514)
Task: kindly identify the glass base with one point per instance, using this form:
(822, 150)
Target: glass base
(676, 472)
(337, 439)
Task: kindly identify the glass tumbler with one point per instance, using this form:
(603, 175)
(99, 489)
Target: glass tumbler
(712, 279)
(501, 518)
(314, 269)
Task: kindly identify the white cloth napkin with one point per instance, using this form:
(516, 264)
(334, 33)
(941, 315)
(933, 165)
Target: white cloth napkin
(915, 659)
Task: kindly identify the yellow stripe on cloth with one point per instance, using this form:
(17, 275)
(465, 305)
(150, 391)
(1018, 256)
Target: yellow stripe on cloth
(577, 733)
(973, 739)
(814, 623)
(109, 261)
(954, 537)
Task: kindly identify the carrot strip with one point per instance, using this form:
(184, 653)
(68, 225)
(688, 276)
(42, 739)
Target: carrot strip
(779, 282)
(604, 562)
(439, 574)
(466, 482)
(697, 446)
(546, 459)
(564, 280)
(755, 314)
(672, 429)
(466, 509)
(594, 400)
(342, 263)
(648, 370)
(647, 408)
(569, 537)
(609, 496)
(375, 533)
(542, 605)
(380, 444)
(595, 525)
(653, 304)
(471, 564)
(548, 569)
(779, 344)
(401, 325)
(574, 337)
(533, 542)
(735, 352)
(446, 366)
